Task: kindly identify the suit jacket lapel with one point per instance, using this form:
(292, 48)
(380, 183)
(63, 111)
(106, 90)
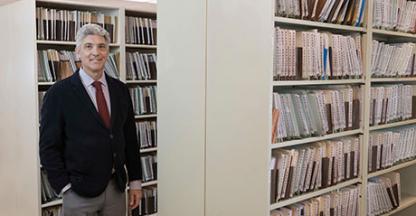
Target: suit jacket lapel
(113, 99)
(80, 90)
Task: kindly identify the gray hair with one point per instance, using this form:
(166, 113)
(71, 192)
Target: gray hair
(91, 29)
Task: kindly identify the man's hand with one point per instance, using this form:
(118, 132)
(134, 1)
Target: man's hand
(135, 196)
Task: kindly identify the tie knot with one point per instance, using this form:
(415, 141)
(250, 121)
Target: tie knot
(96, 84)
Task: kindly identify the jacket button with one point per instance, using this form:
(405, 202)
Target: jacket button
(114, 154)
(111, 136)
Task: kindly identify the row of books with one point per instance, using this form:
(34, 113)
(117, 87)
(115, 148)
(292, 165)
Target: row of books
(399, 15)
(318, 165)
(383, 193)
(391, 103)
(390, 147)
(147, 134)
(141, 66)
(47, 192)
(141, 30)
(316, 55)
(62, 25)
(41, 95)
(338, 203)
(52, 211)
(148, 203)
(149, 167)
(144, 99)
(393, 60)
(54, 65)
(314, 112)
(347, 12)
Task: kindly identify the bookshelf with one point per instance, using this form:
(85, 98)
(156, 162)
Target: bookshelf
(368, 33)
(23, 35)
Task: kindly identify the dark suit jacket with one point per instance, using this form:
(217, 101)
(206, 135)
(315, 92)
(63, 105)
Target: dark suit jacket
(75, 145)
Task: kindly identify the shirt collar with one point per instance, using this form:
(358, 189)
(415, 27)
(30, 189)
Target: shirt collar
(87, 80)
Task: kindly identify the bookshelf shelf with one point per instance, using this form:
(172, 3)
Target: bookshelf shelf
(66, 43)
(52, 203)
(141, 81)
(45, 83)
(308, 23)
(406, 201)
(150, 183)
(316, 82)
(148, 150)
(398, 79)
(393, 168)
(391, 125)
(142, 46)
(145, 116)
(313, 194)
(315, 139)
(396, 34)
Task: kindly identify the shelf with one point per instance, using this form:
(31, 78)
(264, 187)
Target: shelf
(148, 150)
(321, 25)
(309, 195)
(405, 202)
(141, 81)
(316, 82)
(141, 46)
(52, 203)
(395, 124)
(393, 33)
(393, 168)
(315, 139)
(398, 79)
(150, 183)
(145, 116)
(66, 43)
(45, 83)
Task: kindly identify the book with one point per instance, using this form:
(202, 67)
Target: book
(62, 25)
(383, 193)
(315, 166)
(141, 30)
(332, 11)
(144, 99)
(394, 15)
(314, 112)
(342, 202)
(313, 55)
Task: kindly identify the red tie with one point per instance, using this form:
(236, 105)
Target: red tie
(101, 103)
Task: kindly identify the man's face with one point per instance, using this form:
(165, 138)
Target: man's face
(93, 53)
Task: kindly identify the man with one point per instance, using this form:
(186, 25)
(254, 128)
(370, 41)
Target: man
(88, 135)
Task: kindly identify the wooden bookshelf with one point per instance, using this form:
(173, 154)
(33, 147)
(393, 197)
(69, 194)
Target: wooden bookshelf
(392, 125)
(316, 193)
(141, 81)
(393, 80)
(141, 46)
(392, 168)
(145, 116)
(52, 203)
(407, 201)
(319, 25)
(316, 139)
(67, 43)
(368, 33)
(394, 34)
(317, 82)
